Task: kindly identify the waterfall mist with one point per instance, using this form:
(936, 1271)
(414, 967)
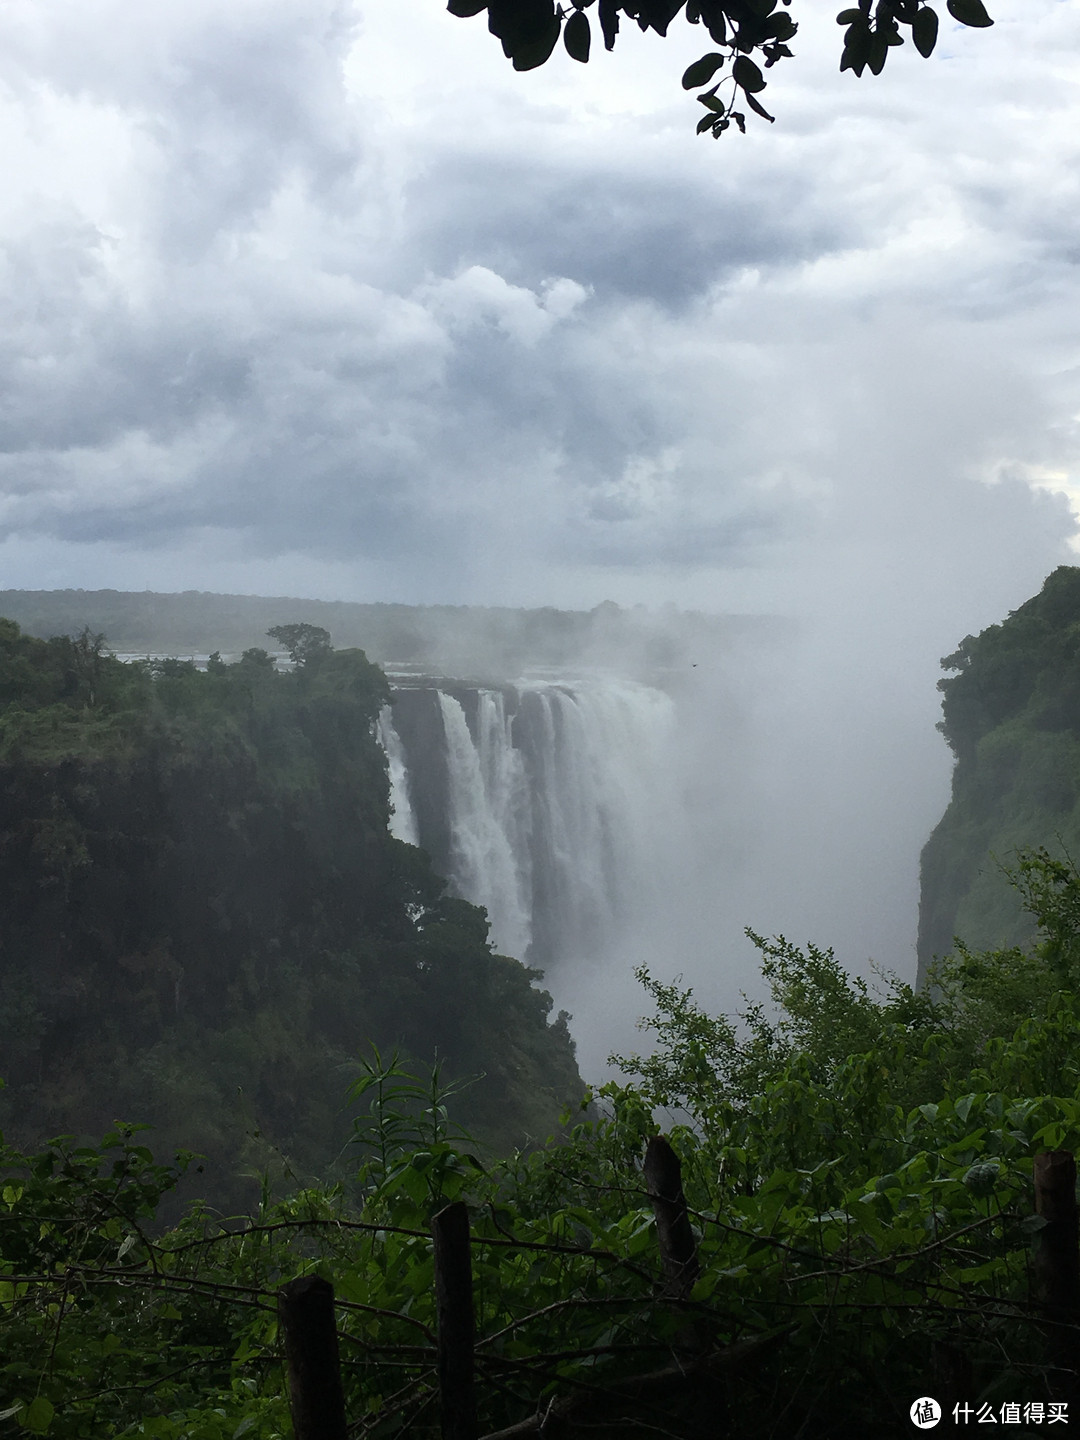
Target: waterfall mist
(646, 810)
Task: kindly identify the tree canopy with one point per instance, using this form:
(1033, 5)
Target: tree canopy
(303, 642)
(740, 29)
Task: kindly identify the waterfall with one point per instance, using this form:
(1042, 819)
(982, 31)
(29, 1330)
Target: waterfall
(548, 803)
(488, 859)
(402, 819)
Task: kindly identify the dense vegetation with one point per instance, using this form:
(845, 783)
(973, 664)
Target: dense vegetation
(205, 920)
(858, 1168)
(1012, 718)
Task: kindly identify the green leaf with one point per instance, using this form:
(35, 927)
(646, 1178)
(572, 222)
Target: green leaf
(981, 1179)
(39, 1415)
(924, 31)
(970, 12)
(702, 71)
(465, 8)
(577, 37)
(747, 75)
(849, 17)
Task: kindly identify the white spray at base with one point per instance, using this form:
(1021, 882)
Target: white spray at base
(559, 809)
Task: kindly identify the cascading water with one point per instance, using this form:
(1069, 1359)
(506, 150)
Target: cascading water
(488, 817)
(548, 803)
(402, 819)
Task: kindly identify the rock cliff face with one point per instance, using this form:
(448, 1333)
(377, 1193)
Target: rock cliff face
(1012, 718)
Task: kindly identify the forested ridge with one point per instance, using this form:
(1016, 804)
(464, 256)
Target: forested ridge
(206, 921)
(1011, 714)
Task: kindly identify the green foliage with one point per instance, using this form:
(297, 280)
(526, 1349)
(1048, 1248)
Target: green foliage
(857, 1168)
(1011, 713)
(529, 31)
(206, 919)
(305, 643)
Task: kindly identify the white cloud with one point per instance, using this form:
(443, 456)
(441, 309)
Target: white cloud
(479, 295)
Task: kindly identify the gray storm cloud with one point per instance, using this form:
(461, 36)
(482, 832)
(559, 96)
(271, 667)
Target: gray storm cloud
(289, 310)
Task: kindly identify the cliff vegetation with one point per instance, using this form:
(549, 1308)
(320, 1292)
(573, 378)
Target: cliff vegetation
(1011, 714)
(206, 924)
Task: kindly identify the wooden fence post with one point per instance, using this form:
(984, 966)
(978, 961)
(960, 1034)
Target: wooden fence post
(1057, 1265)
(306, 1316)
(456, 1325)
(663, 1176)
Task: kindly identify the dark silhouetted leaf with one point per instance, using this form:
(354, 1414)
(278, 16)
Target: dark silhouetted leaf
(970, 12)
(465, 8)
(609, 22)
(658, 14)
(747, 75)
(758, 108)
(521, 25)
(856, 48)
(751, 32)
(702, 71)
(715, 20)
(924, 30)
(705, 123)
(529, 56)
(577, 37)
(781, 26)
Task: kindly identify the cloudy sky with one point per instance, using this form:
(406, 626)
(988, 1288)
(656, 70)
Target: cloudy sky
(322, 298)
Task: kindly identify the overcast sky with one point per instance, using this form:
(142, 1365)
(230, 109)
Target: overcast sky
(325, 299)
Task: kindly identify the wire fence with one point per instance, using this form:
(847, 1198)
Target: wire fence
(443, 1368)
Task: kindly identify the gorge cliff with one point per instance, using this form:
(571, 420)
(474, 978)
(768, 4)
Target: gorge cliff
(1011, 715)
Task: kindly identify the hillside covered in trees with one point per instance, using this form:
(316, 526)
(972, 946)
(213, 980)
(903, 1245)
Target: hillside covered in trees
(206, 924)
(1012, 718)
